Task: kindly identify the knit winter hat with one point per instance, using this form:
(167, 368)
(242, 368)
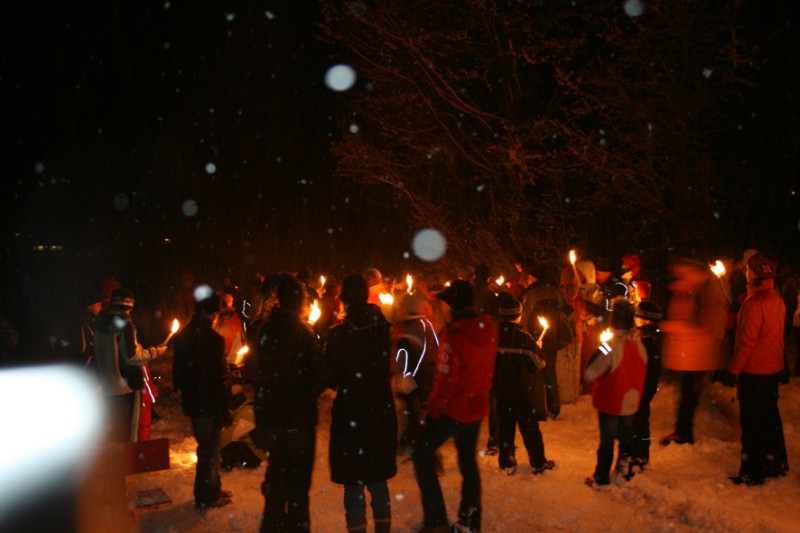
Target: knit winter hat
(372, 276)
(122, 298)
(509, 308)
(764, 266)
(208, 306)
(459, 295)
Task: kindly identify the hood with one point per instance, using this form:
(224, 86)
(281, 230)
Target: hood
(480, 329)
(365, 316)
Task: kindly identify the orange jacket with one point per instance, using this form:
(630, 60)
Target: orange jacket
(759, 332)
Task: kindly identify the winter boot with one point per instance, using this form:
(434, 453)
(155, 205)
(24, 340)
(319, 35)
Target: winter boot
(357, 526)
(383, 523)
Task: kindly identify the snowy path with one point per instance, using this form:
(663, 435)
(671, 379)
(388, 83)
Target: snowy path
(687, 488)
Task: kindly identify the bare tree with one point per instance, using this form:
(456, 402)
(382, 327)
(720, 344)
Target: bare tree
(525, 128)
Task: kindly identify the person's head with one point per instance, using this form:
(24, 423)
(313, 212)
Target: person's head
(459, 295)
(482, 274)
(509, 308)
(93, 300)
(122, 299)
(291, 294)
(622, 315)
(331, 287)
(208, 306)
(354, 290)
(760, 266)
(225, 300)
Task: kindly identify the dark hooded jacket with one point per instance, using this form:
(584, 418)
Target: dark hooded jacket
(200, 371)
(363, 443)
(515, 369)
(291, 373)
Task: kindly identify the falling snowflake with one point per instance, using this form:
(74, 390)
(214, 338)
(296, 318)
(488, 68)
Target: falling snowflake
(189, 208)
(633, 8)
(429, 244)
(203, 292)
(211, 168)
(340, 77)
(707, 72)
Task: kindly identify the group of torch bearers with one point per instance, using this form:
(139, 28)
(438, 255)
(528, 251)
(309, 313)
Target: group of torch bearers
(616, 326)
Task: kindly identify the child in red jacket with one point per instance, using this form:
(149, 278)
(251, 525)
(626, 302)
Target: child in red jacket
(617, 371)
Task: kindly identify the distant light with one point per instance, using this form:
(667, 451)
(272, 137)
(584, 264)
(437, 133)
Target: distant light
(189, 208)
(48, 248)
(211, 168)
(340, 77)
(121, 201)
(166, 240)
(633, 8)
(429, 244)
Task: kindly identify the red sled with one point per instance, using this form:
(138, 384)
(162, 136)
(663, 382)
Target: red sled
(146, 456)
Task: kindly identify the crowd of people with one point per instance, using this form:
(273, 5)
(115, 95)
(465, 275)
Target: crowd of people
(413, 366)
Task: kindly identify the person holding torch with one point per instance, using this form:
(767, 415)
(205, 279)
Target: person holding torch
(617, 372)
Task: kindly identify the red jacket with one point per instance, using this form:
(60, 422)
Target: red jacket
(617, 370)
(467, 352)
(759, 332)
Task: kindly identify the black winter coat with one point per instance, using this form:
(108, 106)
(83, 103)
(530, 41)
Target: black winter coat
(515, 376)
(200, 371)
(363, 444)
(292, 373)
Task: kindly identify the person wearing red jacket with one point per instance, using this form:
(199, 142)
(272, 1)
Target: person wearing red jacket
(758, 361)
(617, 371)
(458, 403)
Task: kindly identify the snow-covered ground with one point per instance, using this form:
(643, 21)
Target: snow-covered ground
(686, 489)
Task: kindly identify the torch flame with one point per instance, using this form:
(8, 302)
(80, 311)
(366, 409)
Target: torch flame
(322, 281)
(718, 268)
(606, 335)
(315, 312)
(409, 282)
(543, 322)
(243, 350)
(386, 298)
(500, 281)
(572, 256)
(175, 326)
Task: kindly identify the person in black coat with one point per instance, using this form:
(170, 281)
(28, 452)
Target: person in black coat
(520, 397)
(363, 443)
(292, 374)
(200, 373)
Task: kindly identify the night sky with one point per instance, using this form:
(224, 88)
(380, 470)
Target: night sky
(147, 137)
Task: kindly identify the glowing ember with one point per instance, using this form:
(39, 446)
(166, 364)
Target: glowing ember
(606, 335)
(718, 268)
(240, 354)
(315, 312)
